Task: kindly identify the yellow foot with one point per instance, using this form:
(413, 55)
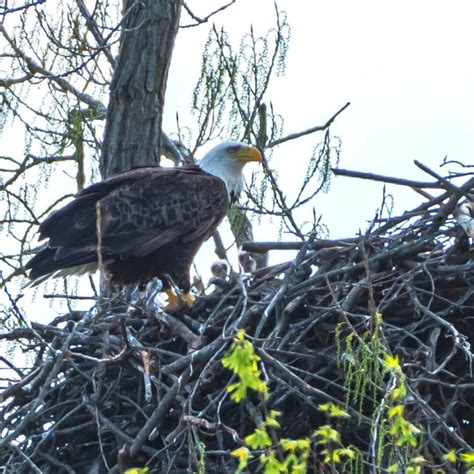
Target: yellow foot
(174, 300)
(189, 298)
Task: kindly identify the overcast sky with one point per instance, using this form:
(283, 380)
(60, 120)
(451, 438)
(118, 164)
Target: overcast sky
(405, 66)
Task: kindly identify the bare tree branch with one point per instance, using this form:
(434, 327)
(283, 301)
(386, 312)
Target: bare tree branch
(317, 128)
(200, 21)
(4, 10)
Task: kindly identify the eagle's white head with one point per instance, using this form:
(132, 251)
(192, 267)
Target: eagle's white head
(227, 160)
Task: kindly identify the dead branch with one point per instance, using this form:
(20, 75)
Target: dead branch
(317, 128)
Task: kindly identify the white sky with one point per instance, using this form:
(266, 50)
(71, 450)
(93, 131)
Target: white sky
(405, 66)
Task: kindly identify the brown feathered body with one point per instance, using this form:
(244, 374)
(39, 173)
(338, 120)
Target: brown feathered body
(144, 223)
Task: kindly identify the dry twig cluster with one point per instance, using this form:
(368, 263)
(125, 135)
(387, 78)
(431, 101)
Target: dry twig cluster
(111, 389)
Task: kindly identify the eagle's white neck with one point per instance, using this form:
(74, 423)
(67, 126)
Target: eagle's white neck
(229, 171)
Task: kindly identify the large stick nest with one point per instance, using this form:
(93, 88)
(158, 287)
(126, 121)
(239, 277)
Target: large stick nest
(114, 388)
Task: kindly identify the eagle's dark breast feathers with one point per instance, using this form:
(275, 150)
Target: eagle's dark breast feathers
(152, 222)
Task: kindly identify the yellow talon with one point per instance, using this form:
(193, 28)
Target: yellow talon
(189, 298)
(174, 300)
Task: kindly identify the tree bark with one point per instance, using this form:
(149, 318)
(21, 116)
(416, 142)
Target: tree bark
(133, 128)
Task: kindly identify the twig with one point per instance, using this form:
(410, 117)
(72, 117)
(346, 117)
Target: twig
(153, 423)
(386, 179)
(317, 128)
(443, 181)
(262, 247)
(199, 20)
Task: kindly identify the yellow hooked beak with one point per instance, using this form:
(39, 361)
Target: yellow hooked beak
(247, 154)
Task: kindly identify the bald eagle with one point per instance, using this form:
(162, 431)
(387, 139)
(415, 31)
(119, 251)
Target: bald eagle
(144, 223)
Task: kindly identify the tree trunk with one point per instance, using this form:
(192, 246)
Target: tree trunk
(133, 128)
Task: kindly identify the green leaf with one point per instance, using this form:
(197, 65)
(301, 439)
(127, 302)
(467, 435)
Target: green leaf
(258, 439)
(299, 468)
(399, 393)
(238, 391)
(243, 455)
(333, 410)
(346, 452)
(417, 460)
(450, 456)
(391, 362)
(293, 445)
(326, 434)
(397, 410)
(331, 456)
(467, 458)
(271, 419)
(242, 360)
(271, 465)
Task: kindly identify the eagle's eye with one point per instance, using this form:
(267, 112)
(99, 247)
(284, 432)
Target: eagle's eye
(232, 149)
